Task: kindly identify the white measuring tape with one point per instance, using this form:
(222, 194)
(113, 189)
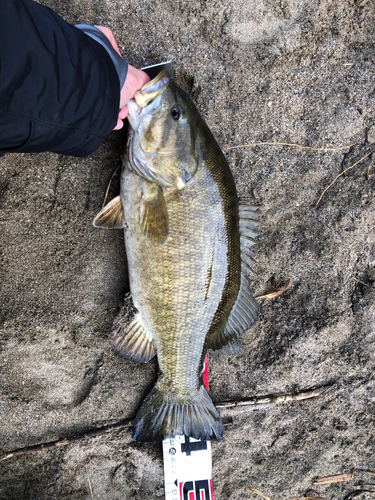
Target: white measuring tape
(187, 469)
(188, 465)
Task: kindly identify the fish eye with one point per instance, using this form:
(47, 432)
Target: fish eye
(176, 113)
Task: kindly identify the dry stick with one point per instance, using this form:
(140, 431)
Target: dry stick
(308, 498)
(273, 295)
(127, 423)
(287, 144)
(63, 442)
(259, 493)
(343, 172)
(92, 496)
(355, 279)
(275, 399)
(109, 185)
(334, 479)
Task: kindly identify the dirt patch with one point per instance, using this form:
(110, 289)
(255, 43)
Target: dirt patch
(259, 71)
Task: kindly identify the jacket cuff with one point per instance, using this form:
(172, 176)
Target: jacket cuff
(120, 64)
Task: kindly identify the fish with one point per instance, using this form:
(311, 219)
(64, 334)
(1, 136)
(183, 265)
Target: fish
(188, 243)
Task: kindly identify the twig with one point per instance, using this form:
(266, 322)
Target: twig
(333, 479)
(259, 493)
(127, 423)
(343, 172)
(367, 471)
(63, 442)
(274, 294)
(286, 144)
(109, 185)
(92, 496)
(355, 279)
(307, 498)
(275, 399)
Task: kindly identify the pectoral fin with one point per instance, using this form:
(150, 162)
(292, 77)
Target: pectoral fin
(111, 216)
(153, 214)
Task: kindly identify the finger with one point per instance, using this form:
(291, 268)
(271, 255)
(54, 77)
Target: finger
(119, 124)
(123, 112)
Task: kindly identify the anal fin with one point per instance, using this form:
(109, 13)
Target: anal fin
(133, 342)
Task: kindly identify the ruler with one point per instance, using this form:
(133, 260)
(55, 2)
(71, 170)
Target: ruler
(188, 465)
(187, 469)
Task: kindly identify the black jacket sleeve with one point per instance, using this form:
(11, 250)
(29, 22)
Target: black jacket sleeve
(121, 64)
(59, 89)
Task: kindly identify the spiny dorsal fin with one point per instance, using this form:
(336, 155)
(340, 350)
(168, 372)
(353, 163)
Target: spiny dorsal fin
(153, 214)
(132, 341)
(111, 216)
(245, 310)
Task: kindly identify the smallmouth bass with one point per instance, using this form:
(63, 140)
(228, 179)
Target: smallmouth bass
(188, 244)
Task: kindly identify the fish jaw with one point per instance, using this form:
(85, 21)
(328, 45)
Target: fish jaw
(133, 114)
(147, 100)
(152, 89)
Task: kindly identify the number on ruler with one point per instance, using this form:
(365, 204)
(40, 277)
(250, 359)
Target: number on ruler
(196, 490)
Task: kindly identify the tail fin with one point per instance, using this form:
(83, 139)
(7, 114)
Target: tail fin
(164, 414)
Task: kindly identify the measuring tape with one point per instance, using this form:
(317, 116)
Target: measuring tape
(187, 469)
(188, 465)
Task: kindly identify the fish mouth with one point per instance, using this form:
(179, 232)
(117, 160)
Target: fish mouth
(147, 99)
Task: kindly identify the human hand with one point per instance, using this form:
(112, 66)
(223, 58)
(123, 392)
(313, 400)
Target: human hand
(135, 79)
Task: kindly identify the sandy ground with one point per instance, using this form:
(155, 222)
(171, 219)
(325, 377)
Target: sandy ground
(259, 71)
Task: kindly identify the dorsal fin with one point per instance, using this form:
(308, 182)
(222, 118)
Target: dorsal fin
(245, 310)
